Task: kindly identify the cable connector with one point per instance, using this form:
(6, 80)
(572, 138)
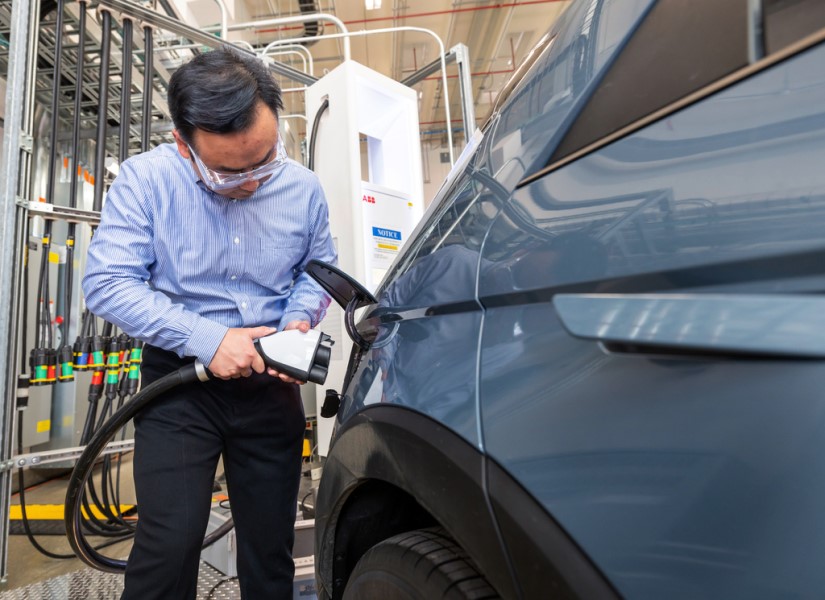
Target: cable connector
(65, 363)
(332, 401)
(304, 356)
(82, 348)
(112, 367)
(43, 362)
(133, 377)
(96, 354)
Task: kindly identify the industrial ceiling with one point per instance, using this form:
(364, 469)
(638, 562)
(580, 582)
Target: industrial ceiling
(498, 35)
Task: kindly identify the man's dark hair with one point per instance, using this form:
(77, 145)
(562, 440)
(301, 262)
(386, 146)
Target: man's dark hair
(218, 91)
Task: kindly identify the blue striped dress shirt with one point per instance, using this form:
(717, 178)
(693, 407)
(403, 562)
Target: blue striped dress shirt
(177, 265)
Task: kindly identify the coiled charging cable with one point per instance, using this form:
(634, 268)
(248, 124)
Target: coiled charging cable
(83, 469)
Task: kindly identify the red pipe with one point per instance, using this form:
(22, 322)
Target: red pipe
(426, 14)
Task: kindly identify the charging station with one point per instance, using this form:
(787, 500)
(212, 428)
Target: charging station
(367, 154)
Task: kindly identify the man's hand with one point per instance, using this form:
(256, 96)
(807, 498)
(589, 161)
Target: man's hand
(304, 327)
(236, 356)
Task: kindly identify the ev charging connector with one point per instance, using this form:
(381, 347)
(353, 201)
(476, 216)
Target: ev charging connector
(304, 356)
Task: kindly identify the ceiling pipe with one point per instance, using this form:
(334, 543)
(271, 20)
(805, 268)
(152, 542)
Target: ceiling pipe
(297, 19)
(287, 53)
(441, 53)
(434, 13)
(224, 19)
(244, 44)
(302, 49)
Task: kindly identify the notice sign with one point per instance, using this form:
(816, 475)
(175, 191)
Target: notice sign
(387, 239)
(389, 217)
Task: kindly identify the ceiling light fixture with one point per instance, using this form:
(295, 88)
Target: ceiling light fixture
(372, 4)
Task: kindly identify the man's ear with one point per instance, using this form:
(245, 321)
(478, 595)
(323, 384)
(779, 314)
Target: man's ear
(183, 147)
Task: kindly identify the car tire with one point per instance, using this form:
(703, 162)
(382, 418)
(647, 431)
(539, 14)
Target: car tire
(417, 565)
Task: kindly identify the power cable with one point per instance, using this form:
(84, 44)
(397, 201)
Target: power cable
(24, 513)
(215, 587)
(80, 475)
(312, 138)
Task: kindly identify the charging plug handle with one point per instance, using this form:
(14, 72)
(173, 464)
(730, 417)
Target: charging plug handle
(303, 356)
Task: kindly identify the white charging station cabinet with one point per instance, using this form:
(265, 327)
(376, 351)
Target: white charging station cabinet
(375, 199)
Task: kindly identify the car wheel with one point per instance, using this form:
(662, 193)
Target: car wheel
(417, 565)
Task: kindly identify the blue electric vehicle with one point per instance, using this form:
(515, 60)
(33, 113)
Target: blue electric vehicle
(597, 369)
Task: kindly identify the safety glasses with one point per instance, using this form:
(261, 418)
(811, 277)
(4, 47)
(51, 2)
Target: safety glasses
(218, 181)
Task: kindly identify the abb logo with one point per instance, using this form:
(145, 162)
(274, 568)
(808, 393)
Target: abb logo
(369, 199)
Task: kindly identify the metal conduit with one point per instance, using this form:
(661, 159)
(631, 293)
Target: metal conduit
(78, 95)
(297, 47)
(43, 337)
(296, 19)
(15, 166)
(58, 55)
(125, 90)
(103, 103)
(148, 73)
(33, 39)
(66, 353)
(288, 52)
(224, 18)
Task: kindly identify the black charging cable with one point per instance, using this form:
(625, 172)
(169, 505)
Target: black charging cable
(83, 468)
(314, 136)
(24, 517)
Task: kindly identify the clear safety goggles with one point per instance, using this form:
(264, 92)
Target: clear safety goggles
(218, 181)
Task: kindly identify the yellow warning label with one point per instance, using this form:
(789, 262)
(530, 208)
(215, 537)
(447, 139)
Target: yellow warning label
(44, 425)
(54, 258)
(387, 247)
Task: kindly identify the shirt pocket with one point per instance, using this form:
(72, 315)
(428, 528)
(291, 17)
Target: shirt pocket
(271, 263)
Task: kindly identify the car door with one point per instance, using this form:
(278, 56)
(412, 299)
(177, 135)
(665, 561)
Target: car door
(652, 356)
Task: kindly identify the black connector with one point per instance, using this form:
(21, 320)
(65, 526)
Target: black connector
(43, 363)
(332, 400)
(65, 363)
(96, 358)
(82, 353)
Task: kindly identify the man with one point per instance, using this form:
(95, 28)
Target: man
(201, 250)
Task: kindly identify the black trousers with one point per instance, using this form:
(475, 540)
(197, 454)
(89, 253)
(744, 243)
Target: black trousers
(257, 424)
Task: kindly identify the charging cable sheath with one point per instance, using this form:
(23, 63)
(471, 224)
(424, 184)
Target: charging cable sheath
(314, 136)
(83, 469)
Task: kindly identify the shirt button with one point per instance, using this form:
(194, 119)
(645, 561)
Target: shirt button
(233, 278)
(243, 304)
(237, 240)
